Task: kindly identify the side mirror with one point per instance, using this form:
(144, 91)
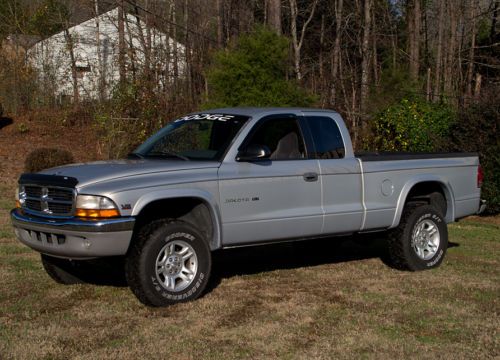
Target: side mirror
(253, 152)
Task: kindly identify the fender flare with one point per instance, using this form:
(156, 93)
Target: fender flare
(443, 182)
(204, 196)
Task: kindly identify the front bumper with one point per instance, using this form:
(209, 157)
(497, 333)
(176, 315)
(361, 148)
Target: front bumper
(74, 238)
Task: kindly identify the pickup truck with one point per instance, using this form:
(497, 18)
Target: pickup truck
(236, 177)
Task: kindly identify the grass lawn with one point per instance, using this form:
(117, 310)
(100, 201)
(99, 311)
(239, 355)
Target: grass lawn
(325, 299)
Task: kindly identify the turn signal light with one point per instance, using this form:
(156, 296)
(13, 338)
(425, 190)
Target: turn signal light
(92, 213)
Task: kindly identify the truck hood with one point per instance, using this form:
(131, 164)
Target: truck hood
(100, 171)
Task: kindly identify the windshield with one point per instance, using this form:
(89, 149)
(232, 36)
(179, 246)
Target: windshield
(193, 137)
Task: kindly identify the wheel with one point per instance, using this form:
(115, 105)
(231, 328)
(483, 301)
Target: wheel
(421, 239)
(169, 262)
(62, 271)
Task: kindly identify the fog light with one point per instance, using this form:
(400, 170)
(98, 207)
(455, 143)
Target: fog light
(86, 244)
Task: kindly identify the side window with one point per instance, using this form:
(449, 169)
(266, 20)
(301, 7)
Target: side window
(282, 136)
(327, 138)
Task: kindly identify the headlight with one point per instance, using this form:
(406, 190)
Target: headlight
(90, 206)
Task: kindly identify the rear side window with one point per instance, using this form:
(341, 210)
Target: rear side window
(327, 139)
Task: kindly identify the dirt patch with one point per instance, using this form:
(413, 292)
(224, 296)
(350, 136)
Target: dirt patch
(25, 135)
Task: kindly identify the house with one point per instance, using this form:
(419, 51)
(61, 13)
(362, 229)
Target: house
(84, 61)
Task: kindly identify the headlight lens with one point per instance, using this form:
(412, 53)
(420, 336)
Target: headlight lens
(90, 206)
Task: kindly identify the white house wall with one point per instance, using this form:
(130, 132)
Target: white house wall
(51, 57)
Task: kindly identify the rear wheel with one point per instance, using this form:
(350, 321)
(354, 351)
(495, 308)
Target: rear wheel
(169, 262)
(421, 239)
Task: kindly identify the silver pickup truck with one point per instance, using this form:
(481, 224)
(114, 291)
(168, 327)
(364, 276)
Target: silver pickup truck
(237, 177)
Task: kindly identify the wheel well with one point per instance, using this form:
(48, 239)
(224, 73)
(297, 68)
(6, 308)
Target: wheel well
(429, 192)
(189, 209)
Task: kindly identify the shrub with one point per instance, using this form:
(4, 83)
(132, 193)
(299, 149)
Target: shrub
(253, 73)
(412, 125)
(118, 136)
(44, 158)
(476, 129)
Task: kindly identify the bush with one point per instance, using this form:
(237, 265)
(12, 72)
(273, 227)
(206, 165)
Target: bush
(45, 158)
(476, 129)
(412, 125)
(253, 73)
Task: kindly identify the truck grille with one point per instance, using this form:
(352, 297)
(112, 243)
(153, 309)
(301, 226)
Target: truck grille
(47, 200)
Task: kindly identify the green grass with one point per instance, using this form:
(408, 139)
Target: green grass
(331, 307)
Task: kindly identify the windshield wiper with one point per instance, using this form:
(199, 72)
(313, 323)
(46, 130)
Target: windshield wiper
(168, 154)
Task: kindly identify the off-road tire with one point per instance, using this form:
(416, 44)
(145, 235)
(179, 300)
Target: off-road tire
(141, 262)
(401, 252)
(62, 271)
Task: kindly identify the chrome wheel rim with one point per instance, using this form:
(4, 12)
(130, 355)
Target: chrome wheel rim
(176, 266)
(425, 239)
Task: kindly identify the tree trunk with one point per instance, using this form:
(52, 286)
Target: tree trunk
(101, 81)
(477, 87)
(121, 43)
(366, 55)
(298, 40)
(414, 28)
(470, 65)
(494, 22)
(439, 55)
(321, 46)
(74, 74)
(338, 4)
(220, 28)
(450, 59)
(374, 51)
(274, 15)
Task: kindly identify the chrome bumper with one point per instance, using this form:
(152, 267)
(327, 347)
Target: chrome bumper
(74, 238)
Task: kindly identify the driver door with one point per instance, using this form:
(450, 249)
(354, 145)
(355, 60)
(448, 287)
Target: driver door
(274, 198)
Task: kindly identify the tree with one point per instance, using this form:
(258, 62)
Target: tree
(274, 15)
(413, 20)
(298, 38)
(253, 73)
(366, 55)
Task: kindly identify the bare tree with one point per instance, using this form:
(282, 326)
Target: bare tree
(298, 39)
(366, 55)
(439, 55)
(74, 74)
(273, 12)
(121, 42)
(470, 60)
(451, 48)
(413, 19)
(338, 7)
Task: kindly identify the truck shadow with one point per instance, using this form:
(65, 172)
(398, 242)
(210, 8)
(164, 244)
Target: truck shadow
(257, 259)
(334, 250)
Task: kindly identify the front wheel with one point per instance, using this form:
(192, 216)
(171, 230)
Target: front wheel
(421, 239)
(169, 262)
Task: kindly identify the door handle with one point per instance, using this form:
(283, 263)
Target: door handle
(310, 176)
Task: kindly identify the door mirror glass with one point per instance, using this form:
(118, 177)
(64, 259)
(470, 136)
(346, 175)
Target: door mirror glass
(254, 152)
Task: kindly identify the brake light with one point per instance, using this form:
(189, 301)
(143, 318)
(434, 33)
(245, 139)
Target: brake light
(480, 176)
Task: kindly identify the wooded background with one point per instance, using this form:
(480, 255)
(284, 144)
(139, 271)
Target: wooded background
(405, 74)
